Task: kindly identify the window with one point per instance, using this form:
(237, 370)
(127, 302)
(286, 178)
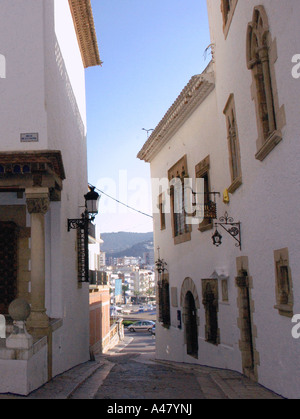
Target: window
(261, 56)
(202, 171)
(176, 175)
(283, 288)
(233, 145)
(161, 206)
(224, 284)
(164, 300)
(227, 9)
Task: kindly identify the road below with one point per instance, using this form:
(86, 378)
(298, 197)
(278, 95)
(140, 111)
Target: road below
(132, 373)
(137, 376)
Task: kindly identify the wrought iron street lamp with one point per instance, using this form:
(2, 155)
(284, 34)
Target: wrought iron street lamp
(92, 202)
(82, 225)
(160, 264)
(217, 238)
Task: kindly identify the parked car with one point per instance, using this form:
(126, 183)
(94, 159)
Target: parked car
(152, 331)
(141, 326)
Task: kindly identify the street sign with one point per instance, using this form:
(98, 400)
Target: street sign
(29, 138)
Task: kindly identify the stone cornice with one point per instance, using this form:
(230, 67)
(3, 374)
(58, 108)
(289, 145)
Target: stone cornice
(85, 30)
(194, 93)
(36, 161)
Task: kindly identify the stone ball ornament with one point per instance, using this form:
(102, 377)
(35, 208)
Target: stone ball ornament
(19, 310)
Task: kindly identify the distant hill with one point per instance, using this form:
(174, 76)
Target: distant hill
(137, 250)
(123, 241)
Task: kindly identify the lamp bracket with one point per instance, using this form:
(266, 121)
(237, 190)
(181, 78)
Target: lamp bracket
(231, 227)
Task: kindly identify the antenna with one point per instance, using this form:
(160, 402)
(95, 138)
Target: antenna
(147, 130)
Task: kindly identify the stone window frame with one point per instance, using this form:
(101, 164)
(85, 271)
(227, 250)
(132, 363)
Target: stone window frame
(283, 292)
(261, 58)
(202, 170)
(244, 281)
(227, 10)
(233, 142)
(179, 170)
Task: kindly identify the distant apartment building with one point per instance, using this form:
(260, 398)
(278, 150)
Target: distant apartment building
(102, 259)
(148, 258)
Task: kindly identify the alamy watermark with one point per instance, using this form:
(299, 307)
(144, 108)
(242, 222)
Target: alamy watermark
(296, 328)
(296, 67)
(2, 67)
(179, 196)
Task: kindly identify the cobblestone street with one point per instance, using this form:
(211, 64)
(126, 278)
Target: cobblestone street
(129, 371)
(138, 376)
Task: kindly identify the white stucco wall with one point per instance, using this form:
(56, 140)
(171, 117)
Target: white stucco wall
(266, 204)
(268, 200)
(44, 93)
(66, 119)
(197, 258)
(22, 105)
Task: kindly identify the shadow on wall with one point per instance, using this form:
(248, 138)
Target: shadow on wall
(70, 93)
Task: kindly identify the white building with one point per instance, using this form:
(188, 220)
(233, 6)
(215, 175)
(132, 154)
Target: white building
(235, 127)
(43, 180)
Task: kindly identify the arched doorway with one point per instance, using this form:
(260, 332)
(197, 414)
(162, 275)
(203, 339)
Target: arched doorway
(190, 305)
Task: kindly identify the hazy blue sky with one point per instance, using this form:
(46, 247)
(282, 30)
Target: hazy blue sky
(150, 49)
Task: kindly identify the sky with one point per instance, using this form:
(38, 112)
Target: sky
(150, 50)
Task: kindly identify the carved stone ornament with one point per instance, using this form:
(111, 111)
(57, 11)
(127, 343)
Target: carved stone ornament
(38, 205)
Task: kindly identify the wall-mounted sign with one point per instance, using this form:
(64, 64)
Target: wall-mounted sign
(29, 138)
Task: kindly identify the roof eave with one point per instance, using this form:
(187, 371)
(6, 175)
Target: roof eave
(194, 93)
(82, 15)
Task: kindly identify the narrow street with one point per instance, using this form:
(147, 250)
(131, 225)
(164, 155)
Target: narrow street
(129, 371)
(132, 373)
(136, 376)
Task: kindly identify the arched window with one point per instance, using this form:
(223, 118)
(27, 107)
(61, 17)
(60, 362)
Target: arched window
(261, 55)
(233, 144)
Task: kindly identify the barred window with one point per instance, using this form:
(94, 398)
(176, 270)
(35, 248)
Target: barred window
(164, 300)
(284, 286)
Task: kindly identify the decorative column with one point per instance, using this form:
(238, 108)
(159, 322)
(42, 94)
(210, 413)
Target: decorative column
(38, 201)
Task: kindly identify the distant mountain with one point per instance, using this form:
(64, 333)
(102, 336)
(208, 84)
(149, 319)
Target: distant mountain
(123, 241)
(137, 250)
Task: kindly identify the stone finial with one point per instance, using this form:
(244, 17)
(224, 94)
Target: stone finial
(19, 310)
